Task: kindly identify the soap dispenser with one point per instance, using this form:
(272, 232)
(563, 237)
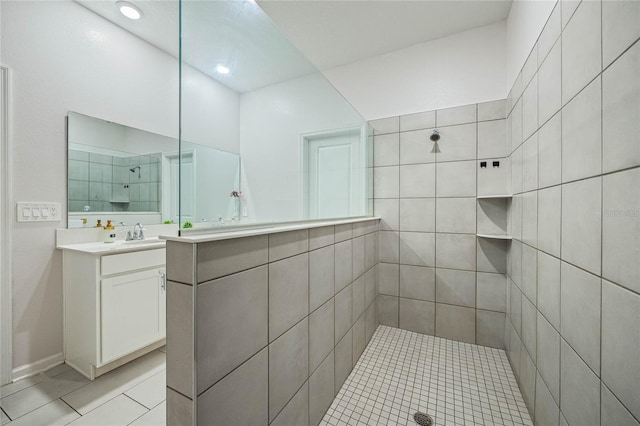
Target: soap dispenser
(109, 232)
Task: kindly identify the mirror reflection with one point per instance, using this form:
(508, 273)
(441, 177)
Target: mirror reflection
(131, 175)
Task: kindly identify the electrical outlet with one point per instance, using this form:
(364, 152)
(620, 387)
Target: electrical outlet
(38, 212)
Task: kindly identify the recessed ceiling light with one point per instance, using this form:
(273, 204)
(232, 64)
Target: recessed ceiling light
(129, 10)
(222, 69)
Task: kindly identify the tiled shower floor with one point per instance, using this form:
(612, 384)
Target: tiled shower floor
(402, 372)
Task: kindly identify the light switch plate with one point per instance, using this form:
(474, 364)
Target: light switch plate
(38, 212)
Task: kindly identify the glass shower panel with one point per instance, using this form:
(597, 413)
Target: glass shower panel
(247, 90)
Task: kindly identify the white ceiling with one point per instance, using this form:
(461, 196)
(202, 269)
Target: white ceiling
(328, 33)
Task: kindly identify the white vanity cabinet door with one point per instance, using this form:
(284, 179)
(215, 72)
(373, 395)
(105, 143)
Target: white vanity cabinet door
(132, 312)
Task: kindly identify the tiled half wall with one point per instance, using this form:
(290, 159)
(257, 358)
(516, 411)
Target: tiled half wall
(266, 329)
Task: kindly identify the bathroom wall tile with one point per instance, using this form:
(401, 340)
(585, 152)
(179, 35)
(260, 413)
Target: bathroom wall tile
(546, 412)
(321, 390)
(612, 411)
(420, 120)
(581, 49)
(418, 316)
(456, 115)
(456, 323)
(417, 248)
(494, 180)
(226, 257)
(456, 215)
(74, 154)
(492, 255)
(386, 150)
(321, 237)
(343, 313)
(417, 180)
(527, 379)
(370, 286)
(529, 313)
(548, 356)
(456, 179)
(388, 210)
(370, 250)
(388, 278)
(516, 171)
(515, 349)
(296, 412)
(516, 125)
(288, 366)
(78, 170)
(389, 246)
(343, 232)
(288, 293)
(386, 182)
(241, 397)
(456, 287)
(359, 339)
(549, 202)
(530, 67)
(549, 288)
(491, 216)
(549, 36)
(579, 388)
(321, 276)
(530, 107)
(530, 164)
(621, 109)
(388, 310)
(227, 332)
(515, 257)
(580, 313)
(491, 293)
(550, 152)
(343, 264)
(581, 134)
(180, 260)
(529, 273)
(581, 223)
(549, 84)
(530, 218)
(416, 147)
(458, 143)
(516, 307)
(621, 344)
(490, 328)
(179, 409)
(358, 257)
(456, 251)
(493, 110)
(358, 305)
(568, 9)
(417, 282)
(321, 334)
(370, 321)
(343, 361)
(492, 139)
(418, 214)
(620, 28)
(180, 345)
(287, 244)
(385, 125)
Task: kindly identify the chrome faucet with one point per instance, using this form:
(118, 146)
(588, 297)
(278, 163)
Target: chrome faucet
(138, 233)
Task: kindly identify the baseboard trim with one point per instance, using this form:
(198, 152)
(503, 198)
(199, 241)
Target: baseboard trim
(32, 369)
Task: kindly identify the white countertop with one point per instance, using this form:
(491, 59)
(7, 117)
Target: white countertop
(119, 246)
(213, 234)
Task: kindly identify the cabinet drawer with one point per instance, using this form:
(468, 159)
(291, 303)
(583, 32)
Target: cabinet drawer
(118, 263)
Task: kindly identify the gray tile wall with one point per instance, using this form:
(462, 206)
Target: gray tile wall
(435, 276)
(573, 307)
(266, 329)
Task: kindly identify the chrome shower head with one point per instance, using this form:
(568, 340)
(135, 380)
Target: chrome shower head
(133, 170)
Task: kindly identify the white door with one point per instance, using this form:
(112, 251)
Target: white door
(329, 176)
(5, 263)
(133, 312)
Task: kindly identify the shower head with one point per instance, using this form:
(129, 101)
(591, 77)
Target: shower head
(133, 170)
(435, 135)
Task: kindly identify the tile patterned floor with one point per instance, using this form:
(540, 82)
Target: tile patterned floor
(133, 394)
(402, 372)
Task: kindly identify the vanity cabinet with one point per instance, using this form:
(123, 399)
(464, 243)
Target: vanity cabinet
(114, 308)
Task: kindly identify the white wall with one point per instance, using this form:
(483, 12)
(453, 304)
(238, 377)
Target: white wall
(524, 25)
(63, 58)
(461, 69)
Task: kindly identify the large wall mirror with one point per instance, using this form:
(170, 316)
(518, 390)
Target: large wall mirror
(130, 175)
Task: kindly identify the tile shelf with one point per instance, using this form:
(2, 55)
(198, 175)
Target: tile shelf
(495, 237)
(487, 197)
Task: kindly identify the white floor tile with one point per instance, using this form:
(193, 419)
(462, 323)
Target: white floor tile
(57, 370)
(54, 413)
(20, 403)
(3, 418)
(14, 387)
(151, 392)
(155, 417)
(121, 410)
(115, 382)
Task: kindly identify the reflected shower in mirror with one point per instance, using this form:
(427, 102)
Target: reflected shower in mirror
(130, 175)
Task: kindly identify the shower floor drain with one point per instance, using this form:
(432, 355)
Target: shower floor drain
(423, 419)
